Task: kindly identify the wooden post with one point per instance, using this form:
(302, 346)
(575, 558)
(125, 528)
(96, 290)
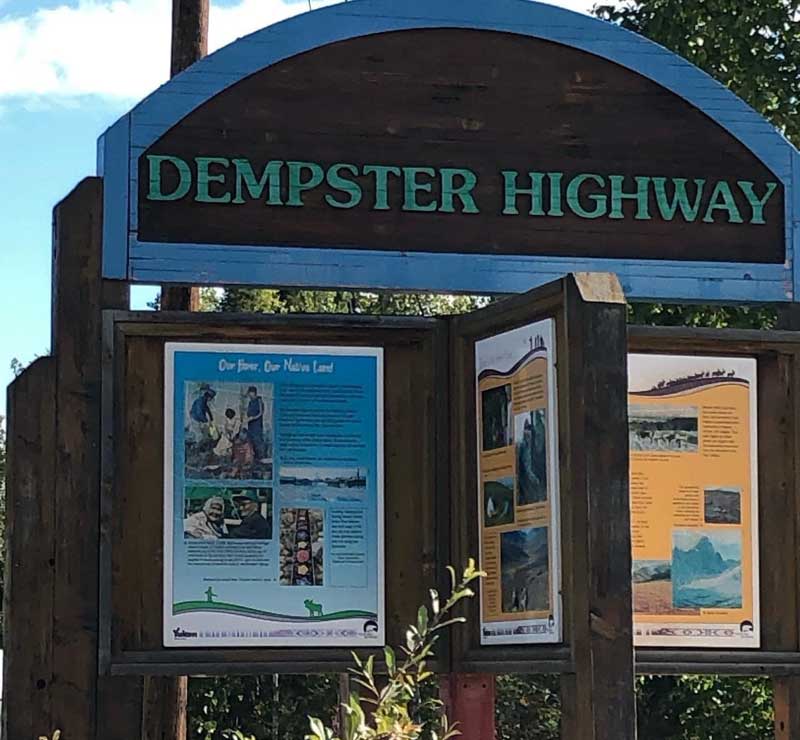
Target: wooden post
(29, 572)
(469, 699)
(786, 700)
(83, 703)
(598, 698)
(189, 43)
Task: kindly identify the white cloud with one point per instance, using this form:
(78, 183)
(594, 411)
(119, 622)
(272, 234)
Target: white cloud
(119, 48)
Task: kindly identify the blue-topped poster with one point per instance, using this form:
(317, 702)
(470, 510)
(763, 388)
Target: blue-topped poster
(273, 500)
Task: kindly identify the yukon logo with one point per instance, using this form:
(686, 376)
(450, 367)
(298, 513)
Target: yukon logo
(181, 634)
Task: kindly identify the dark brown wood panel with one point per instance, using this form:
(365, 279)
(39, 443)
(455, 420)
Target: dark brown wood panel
(414, 498)
(480, 100)
(29, 565)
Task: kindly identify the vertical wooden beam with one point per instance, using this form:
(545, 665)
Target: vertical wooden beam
(29, 573)
(598, 698)
(189, 44)
(84, 704)
(189, 33)
(782, 454)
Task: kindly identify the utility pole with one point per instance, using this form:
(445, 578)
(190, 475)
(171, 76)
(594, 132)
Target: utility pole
(189, 44)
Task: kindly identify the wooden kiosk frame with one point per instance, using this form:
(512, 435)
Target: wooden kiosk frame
(96, 669)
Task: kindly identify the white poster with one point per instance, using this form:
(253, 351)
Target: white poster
(518, 487)
(273, 499)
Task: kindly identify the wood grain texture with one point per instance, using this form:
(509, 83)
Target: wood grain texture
(482, 100)
(121, 146)
(83, 703)
(787, 707)
(29, 566)
(595, 477)
(414, 503)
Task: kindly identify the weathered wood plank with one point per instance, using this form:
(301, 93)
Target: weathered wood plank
(596, 479)
(29, 572)
(83, 704)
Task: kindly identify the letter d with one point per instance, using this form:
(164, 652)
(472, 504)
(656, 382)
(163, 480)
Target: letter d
(184, 177)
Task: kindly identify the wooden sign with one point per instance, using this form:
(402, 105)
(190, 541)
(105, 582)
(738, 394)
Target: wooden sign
(357, 145)
(449, 146)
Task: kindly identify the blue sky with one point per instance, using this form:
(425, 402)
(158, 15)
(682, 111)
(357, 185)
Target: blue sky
(68, 70)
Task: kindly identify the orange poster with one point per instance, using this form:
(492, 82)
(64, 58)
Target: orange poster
(518, 486)
(694, 500)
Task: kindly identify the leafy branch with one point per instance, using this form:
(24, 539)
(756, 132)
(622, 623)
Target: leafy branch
(395, 707)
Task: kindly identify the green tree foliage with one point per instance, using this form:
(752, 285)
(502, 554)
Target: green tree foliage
(351, 302)
(528, 707)
(704, 708)
(257, 706)
(752, 46)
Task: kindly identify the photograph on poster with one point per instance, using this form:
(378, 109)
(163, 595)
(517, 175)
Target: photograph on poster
(707, 568)
(663, 428)
(302, 540)
(496, 417)
(228, 430)
(498, 502)
(524, 570)
(652, 586)
(722, 505)
(322, 483)
(234, 513)
(530, 439)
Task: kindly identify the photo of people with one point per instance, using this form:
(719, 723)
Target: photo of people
(302, 543)
(524, 570)
(227, 513)
(228, 431)
(498, 502)
(663, 428)
(496, 417)
(530, 438)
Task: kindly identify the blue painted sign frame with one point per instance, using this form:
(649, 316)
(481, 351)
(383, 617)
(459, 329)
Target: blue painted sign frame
(125, 257)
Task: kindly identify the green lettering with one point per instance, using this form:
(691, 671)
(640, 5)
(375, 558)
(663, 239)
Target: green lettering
(155, 191)
(640, 196)
(336, 181)
(555, 193)
(722, 200)
(463, 192)
(574, 197)
(680, 198)
(511, 191)
(381, 173)
(411, 187)
(270, 176)
(204, 178)
(757, 204)
(297, 185)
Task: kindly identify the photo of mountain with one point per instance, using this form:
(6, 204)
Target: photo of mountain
(498, 502)
(652, 587)
(530, 438)
(707, 568)
(524, 570)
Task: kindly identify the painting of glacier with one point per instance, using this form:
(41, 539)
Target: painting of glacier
(707, 568)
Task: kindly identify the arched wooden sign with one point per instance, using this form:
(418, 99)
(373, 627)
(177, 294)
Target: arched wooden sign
(449, 146)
